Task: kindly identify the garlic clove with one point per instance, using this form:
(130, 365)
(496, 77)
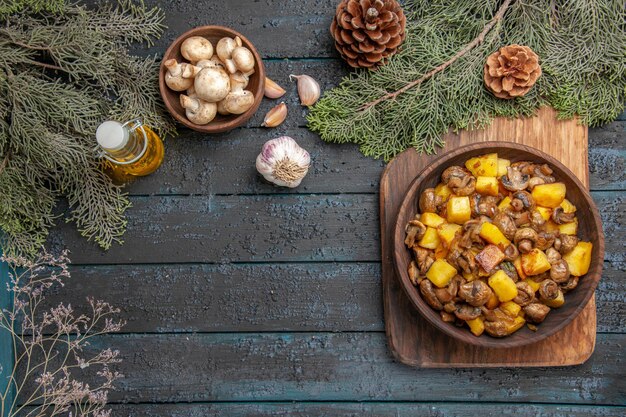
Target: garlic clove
(275, 116)
(308, 89)
(283, 162)
(273, 90)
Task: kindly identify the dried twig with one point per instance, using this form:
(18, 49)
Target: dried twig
(474, 43)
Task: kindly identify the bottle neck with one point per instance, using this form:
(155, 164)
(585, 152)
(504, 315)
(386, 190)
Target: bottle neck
(122, 144)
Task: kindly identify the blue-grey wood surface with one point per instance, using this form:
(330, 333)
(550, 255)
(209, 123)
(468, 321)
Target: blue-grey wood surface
(243, 299)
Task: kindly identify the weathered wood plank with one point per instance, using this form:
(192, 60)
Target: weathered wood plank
(277, 28)
(607, 153)
(239, 228)
(339, 367)
(265, 297)
(268, 228)
(367, 409)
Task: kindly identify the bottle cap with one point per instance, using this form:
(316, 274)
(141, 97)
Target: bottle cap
(112, 135)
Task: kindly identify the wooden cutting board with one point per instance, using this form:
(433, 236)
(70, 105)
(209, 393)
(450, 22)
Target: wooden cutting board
(412, 339)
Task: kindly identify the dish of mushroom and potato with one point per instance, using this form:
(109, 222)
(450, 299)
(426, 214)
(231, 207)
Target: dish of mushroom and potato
(495, 245)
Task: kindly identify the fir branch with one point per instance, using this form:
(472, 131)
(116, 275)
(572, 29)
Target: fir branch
(475, 42)
(581, 46)
(64, 70)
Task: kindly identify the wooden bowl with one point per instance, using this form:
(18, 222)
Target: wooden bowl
(220, 123)
(590, 229)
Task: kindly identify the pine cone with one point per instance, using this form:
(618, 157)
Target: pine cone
(512, 71)
(367, 32)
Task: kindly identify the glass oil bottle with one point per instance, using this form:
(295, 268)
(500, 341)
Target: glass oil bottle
(129, 150)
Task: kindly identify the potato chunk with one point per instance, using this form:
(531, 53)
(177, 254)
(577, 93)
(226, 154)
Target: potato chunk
(447, 232)
(579, 259)
(443, 191)
(484, 165)
(545, 212)
(432, 219)
(549, 195)
(503, 164)
(505, 203)
(440, 273)
(459, 210)
(430, 240)
(503, 286)
(570, 228)
(568, 207)
(492, 234)
(535, 262)
(477, 326)
(511, 308)
(489, 258)
(487, 186)
(517, 263)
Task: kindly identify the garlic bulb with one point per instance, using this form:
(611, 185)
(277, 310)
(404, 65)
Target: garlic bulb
(308, 89)
(283, 162)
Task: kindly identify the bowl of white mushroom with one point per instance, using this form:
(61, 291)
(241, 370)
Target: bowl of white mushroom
(212, 79)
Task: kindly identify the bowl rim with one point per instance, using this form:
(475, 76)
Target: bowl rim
(234, 120)
(433, 316)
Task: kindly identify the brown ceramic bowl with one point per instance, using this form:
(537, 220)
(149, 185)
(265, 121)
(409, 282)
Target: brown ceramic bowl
(220, 123)
(590, 229)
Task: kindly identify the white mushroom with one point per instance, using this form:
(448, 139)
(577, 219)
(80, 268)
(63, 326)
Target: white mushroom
(239, 81)
(179, 77)
(238, 101)
(212, 84)
(221, 110)
(224, 50)
(243, 59)
(198, 111)
(196, 48)
(214, 62)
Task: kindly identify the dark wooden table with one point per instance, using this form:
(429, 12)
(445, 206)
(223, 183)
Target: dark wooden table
(243, 299)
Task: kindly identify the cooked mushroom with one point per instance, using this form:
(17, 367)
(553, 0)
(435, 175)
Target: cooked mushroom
(559, 272)
(565, 243)
(528, 202)
(571, 283)
(497, 328)
(414, 231)
(544, 172)
(525, 238)
(484, 205)
(525, 293)
(506, 225)
(536, 312)
(549, 291)
(424, 259)
(545, 240)
(541, 277)
(521, 218)
(429, 201)
(560, 217)
(553, 255)
(475, 293)
(447, 317)
(459, 180)
(455, 283)
(471, 233)
(450, 307)
(467, 312)
(443, 295)
(414, 274)
(467, 262)
(514, 180)
(510, 253)
(428, 292)
(535, 181)
(536, 220)
(509, 269)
